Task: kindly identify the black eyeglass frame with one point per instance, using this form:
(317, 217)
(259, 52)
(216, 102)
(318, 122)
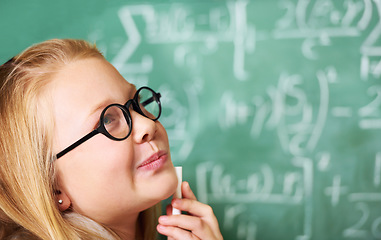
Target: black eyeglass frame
(101, 128)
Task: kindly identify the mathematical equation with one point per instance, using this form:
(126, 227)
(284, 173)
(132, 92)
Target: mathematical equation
(197, 43)
(300, 123)
(316, 22)
(292, 188)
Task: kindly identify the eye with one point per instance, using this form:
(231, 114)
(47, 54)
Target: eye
(108, 119)
(115, 122)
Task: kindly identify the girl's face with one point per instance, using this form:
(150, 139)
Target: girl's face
(106, 180)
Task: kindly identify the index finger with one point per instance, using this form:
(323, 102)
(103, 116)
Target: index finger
(187, 191)
(200, 210)
(193, 207)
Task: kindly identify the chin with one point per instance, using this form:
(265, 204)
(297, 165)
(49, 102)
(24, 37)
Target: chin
(172, 185)
(164, 186)
(169, 188)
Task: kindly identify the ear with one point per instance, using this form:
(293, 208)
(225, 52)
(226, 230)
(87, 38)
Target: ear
(62, 200)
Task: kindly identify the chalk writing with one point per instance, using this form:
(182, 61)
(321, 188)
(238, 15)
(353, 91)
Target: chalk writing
(297, 79)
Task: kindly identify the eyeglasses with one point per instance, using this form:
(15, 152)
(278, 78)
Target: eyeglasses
(115, 120)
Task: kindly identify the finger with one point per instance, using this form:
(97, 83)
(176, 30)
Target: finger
(187, 191)
(196, 225)
(168, 209)
(195, 208)
(199, 209)
(175, 233)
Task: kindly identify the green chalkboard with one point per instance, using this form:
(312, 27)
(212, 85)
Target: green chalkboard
(272, 107)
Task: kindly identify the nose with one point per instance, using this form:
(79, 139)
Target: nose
(143, 129)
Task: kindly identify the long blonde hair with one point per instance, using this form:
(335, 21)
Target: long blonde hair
(27, 179)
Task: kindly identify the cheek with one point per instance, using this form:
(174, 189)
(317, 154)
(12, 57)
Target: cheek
(88, 176)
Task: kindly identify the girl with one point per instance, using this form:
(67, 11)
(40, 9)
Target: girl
(83, 155)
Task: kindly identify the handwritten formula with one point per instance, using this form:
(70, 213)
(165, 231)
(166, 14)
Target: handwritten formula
(272, 107)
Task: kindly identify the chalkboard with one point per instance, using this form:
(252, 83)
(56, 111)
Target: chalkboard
(272, 107)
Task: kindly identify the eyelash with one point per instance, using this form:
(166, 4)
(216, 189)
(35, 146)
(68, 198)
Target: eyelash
(130, 97)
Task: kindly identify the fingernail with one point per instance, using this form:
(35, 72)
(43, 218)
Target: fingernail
(160, 227)
(187, 185)
(163, 219)
(176, 201)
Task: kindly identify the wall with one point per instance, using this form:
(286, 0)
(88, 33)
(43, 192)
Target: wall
(271, 107)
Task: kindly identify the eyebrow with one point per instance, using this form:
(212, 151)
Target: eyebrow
(100, 106)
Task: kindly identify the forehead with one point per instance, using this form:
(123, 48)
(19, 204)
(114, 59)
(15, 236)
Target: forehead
(84, 84)
(92, 77)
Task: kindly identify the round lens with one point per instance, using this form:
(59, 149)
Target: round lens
(115, 122)
(149, 103)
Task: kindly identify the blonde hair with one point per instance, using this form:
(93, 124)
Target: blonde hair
(27, 179)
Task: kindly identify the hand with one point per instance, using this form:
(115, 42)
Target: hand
(200, 223)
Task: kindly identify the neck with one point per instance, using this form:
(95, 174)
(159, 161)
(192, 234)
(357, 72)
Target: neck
(128, 230)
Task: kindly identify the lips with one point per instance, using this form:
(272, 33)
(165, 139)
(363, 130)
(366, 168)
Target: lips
(154, 162)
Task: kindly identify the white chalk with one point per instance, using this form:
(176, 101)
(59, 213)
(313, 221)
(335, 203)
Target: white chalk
(179, 172)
